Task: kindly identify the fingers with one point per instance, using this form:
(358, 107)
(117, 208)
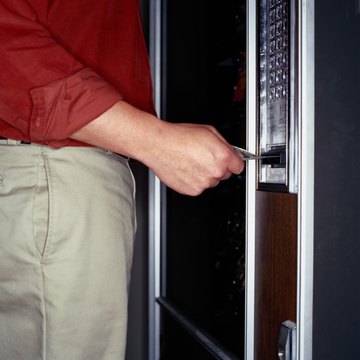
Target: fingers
(236, 164)
(229, 161)
(226, 176)
(236, 161)
(216, 181)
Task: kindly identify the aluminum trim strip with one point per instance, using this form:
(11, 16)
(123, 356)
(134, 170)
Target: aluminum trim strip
(251, 131)
(155, 191)
(306, 180)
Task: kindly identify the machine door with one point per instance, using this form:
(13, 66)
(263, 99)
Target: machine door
(276, 200)
(203, 290)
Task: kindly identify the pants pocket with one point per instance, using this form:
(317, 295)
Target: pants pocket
(42, 208)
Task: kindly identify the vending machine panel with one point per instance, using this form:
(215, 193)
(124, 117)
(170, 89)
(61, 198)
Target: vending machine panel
(277, 128)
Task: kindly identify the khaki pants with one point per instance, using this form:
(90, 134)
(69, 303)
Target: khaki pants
(67, 225)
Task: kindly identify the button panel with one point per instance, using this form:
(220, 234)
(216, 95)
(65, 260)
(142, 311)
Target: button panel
(275, 73)
(278, 45)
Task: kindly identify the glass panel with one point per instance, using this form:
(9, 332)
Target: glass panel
(205, 236)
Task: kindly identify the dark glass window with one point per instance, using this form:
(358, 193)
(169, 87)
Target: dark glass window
(204, 62)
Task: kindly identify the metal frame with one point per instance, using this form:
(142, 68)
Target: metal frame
(155, 190)
(251, 180)
(305, 186)
(305, 115)
(306, 179)
(293, 131)
(213, 347)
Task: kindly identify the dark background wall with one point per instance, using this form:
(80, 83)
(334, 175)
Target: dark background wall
(337, 180)
(137, 343)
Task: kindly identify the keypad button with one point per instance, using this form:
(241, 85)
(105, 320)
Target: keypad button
(272, 16)
(272, 31)
(285, 40)
(278, 92)
(272, 94)
(285, 25)
(279, 59)
(272, 62)
(284, 92)
(272, 46)
(272, 78)
(285, 75)
(285, 9)
(285, 58)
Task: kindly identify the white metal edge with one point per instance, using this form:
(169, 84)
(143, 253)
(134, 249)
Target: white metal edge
(293, 133)
(251, 125)
(155, 193)
(306, 180)
(154, 266)
(155, 49)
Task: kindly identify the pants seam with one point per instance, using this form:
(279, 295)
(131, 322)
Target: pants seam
(50, 208)
(43, 309)
(133, 196)
(33, 202)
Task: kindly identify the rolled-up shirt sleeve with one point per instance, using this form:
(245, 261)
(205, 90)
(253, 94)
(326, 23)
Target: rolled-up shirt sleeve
(64, 106)
(45, 92)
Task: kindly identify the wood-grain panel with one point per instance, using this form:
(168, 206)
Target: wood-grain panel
(275, 277)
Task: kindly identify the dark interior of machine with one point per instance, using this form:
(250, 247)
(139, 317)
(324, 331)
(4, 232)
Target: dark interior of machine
(205, 74)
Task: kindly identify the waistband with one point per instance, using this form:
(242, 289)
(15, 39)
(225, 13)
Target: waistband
(6, 141)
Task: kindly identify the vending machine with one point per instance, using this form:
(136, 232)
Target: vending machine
(274, 188)
(265, 266)
(226, 265)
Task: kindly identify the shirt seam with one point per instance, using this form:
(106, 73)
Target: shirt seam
(38, 115)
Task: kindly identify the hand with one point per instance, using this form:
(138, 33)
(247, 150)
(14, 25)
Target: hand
(190, 158)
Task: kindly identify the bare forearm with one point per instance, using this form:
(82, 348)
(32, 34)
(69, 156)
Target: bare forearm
(187, 157)
(122, 129)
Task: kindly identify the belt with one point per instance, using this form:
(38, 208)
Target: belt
(13, 142)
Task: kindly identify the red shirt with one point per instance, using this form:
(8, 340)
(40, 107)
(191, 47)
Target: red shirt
(65, 62)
